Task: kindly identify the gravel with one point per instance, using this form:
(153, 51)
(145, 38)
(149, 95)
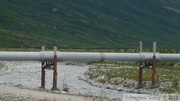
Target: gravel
(28, 74)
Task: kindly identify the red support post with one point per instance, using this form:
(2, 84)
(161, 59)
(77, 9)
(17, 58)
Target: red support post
(140, 76)
(154, 71)
(42, 76)
(55, 71)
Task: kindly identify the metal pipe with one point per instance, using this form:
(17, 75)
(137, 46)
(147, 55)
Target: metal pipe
(90, 57)
(20, 56)
(87, 56)
(169, 57)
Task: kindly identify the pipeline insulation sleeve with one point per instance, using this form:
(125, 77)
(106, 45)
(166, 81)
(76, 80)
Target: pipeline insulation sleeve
(87, 56)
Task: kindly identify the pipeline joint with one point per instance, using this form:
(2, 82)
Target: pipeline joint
(102, 57)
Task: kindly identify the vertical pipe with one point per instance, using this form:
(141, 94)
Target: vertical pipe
(140, 69)
(55, 70)
(154, 65)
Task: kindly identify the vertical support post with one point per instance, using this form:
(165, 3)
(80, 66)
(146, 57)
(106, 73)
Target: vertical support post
(55, 70)
(154, 65)
(42, 48)
(42, 76)
(42, 71)
(154, 48)
(140, 76)
(140, 69)
(140, 46)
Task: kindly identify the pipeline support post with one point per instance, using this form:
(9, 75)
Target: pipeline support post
(154, 65)
(42, 76)
(55, 70)
(42, 71)
(140, 68)
(154, 71)
(140, 76)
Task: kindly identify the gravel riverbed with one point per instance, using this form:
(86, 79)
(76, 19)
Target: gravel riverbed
(70, 75)
(28, 74)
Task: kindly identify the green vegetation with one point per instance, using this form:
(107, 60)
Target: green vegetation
(1, 66)
(89, 23)
(167, 75)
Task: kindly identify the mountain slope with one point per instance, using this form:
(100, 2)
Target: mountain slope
(89, 23)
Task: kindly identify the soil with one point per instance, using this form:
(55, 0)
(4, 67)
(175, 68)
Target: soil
(10, 93)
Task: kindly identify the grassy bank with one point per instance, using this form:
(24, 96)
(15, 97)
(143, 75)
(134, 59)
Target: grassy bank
(126, 75)
(115, 50)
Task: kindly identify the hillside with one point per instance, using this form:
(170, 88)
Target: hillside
(89, 23)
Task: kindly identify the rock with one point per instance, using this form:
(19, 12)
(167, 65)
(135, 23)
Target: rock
(63, 92)
(108, 87)
(56, 91)
(120, 90)
(66, 89)
(19, 85)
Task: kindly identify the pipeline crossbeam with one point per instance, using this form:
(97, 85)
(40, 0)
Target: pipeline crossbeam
(87, 56)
